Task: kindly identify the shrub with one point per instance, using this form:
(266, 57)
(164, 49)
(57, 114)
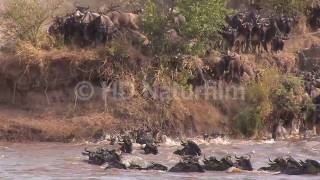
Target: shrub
(204, 17)
(204, 20)
(285, 7)
(289, 100)
(250, 121)
(27, 18)
(154, 25)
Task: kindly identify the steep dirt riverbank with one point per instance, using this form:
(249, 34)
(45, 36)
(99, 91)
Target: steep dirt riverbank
(39, 99)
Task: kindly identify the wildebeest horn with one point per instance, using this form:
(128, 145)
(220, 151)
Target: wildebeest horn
(237, 157)
(271, 160)
(86, 150)
(204, 157)
(249, 156)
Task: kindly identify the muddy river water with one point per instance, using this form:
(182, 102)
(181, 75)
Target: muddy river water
(64, 161)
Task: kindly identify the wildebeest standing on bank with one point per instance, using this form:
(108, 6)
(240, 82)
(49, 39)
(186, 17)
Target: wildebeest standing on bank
(73, 29)
(56, 28)
(100, 30)
(277, 44)
(270, 32)
(124, 20)
(85, 22)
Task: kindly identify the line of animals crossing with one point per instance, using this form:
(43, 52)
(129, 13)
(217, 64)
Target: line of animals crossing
(250, 32)
(245, 31)
(91, 28)
(190, 158)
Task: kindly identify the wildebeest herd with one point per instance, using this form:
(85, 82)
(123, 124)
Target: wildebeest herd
(190, 158)
(250, 32)
(89, 28)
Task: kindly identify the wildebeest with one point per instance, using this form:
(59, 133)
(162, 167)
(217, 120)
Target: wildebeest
(151, 149)
(277, 44)
(285, 25)
(56, 28)
(288, 165)
(190, 148)
(244, 163)
(247, 31)
(270, 31)
(124, 20)
(73, 29)
(257, 34)
(229, 37)
(126, 145)
(188, 164)
(100, 156)
(313, 14)
(100, 30)
(213, 164)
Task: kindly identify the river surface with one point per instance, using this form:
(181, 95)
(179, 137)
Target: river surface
(64, 161)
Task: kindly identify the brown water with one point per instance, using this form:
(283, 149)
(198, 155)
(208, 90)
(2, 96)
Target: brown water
(64, 161)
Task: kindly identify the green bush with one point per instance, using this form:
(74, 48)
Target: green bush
(154, 25)
(273, 97)
(285, 7)
(27, 18)
(289, 100)
(250, 121)
(204, 18)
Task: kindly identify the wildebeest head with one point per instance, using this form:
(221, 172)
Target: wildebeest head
(105, 25)
(56, 27)
(190, 148)
(151, 149)
(227, 160)
(244, 163)
(89, 17)
(126, 145)
(277, 44)
(82, 9)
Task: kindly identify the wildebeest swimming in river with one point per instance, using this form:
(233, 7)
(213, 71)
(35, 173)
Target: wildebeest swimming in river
(192, 163)
(290, 166)
(212, 164)
(188, 164)
(190, 148)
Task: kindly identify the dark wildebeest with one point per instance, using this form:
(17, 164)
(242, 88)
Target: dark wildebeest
(243, 37)
(290, 166)
(213, 164)
(188, 164)
(56, 28)
(229, 37)
(270, 31)
(151, 149)
(277, 44)
(126, 145)
(73, 29)
(234, 21)
(313, 14)
(285, 25)
(256, 37)
(85, 22)
(190, 148)
(100, 30)
(244, 163)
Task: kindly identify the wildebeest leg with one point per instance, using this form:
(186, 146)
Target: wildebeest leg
(265, 46)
